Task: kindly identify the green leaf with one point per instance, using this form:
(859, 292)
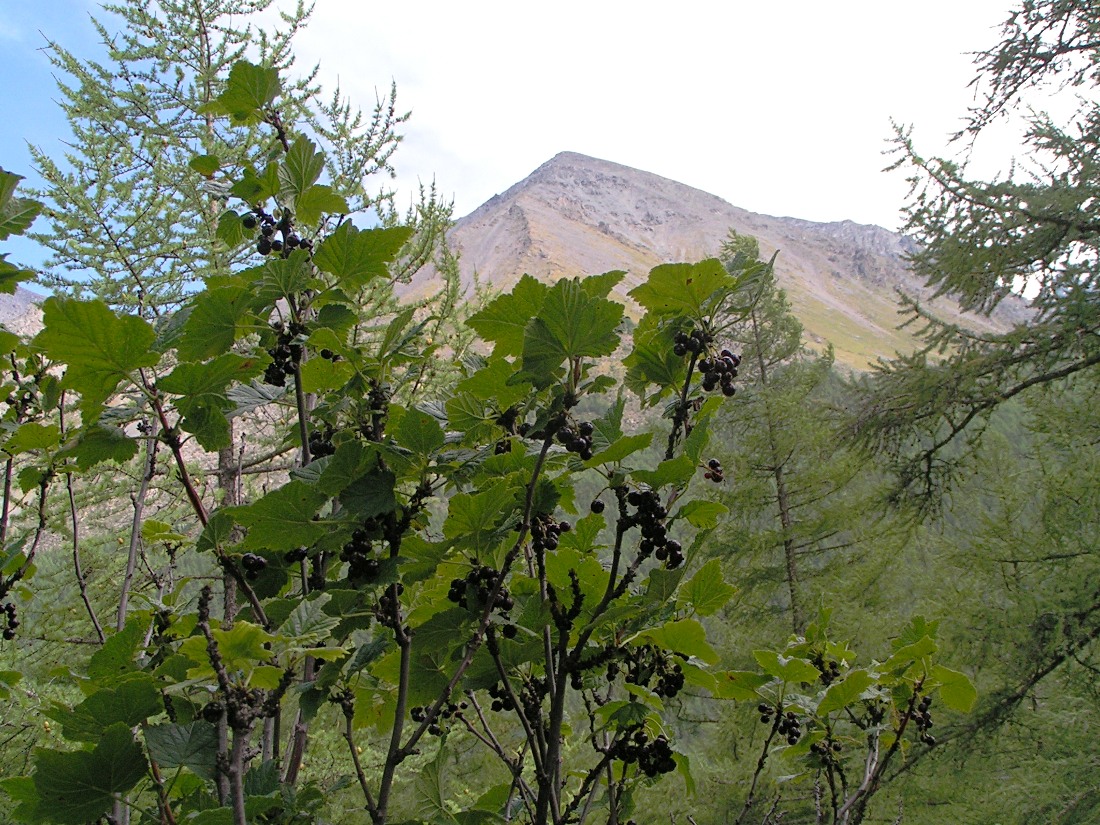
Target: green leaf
(8, 342)
(620, 449)
(98, 443)
(131, 703)
(585, 325)
(283, 278)
(903, 657)
(915, 631)
(677, 471)
(371, 494)
(116, 656)
(231, 229)
(474, 519)
(792, 669)
(350, 461)
(81, 786)
(355, 257)
(283, 519)
(570, 324)
(153, 530)
(661, 584)
(317, 201)
(320, 375)
(253, 396)
(707, 592)
(247, 91)
(99, 347)
(684, 289)
(686, 637)
(242, 646)
(301, 167)
(16, 214)
(429, 794)
(956, 690)
(218, 530)
(308, 624)
(701, 514)
(11, 276)
(202, 395)
(493, 383)
(8, 680)
(504, 320)
(22, 791)
(32, 436)
(255, 189)
(420, 433)
(211, 325)
(683, 767)
(367, 653)
(652, 361)
(205, 165)
(741, 685)
(193, 746)
(843, 693)
(398, 334)
(600, 286)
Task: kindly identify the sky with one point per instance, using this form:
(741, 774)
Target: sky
(783, 108)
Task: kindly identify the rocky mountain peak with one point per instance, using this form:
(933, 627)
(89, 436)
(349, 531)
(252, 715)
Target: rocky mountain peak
(578, 215)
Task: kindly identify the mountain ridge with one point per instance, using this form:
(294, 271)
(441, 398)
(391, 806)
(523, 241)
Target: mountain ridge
(577, 215)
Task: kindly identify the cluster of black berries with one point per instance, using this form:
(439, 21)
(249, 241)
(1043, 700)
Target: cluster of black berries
(649, 516)
(363, 567)
(924, 721)
(646, 663)
(387, 608)
(12, 621)
(714, 471)
(448, 711)
(694, 342)
(719, 372)
(789, 725)
(830, 671)
(320, 442)
(296, 555)
(577, 441)
(268, 242)
(598, 659)
(253, 565)
(653, 756)
(212, 711)
(472, 593)
(285, 355)
(826, 748)
(501, 700)
(545, 532)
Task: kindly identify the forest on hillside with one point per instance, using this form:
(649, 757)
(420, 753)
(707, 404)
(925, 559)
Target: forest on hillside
(279, 547)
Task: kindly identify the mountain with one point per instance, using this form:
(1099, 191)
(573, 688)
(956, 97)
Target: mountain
(19, 312)
(578, 215)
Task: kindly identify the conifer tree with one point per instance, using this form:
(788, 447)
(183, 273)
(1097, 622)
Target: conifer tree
(789, 485)
(1033, 233)
(137, 203)
(1025, 555)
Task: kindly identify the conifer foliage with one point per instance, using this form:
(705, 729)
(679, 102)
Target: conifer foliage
(1034, 232)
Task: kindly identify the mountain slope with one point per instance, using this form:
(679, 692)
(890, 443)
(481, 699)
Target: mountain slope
(579, 215)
